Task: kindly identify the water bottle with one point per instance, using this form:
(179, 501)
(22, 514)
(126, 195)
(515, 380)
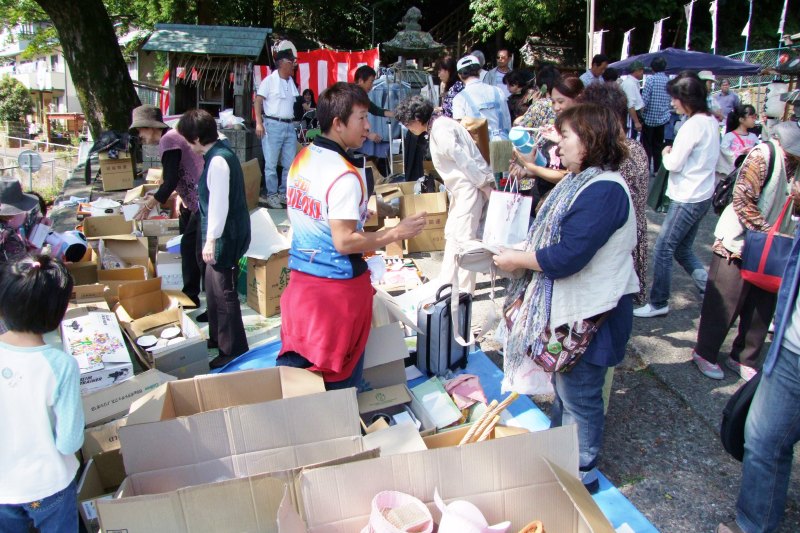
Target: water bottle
(525, 143)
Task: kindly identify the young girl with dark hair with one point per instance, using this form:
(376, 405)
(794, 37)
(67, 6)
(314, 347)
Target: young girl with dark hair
(42, 422)
(737, 140)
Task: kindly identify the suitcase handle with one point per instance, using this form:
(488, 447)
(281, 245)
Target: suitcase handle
(439, 298)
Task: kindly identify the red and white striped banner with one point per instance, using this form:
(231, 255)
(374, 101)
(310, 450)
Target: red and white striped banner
(318, 69)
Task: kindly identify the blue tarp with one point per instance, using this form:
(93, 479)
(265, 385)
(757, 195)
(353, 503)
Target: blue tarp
(678, 60)
(616, 507)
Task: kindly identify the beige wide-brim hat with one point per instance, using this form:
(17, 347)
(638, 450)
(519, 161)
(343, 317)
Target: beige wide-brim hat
(148, 116)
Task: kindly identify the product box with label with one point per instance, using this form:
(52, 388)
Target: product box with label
(100, 479)
(267, 264)
(92, 296)
(540, 484)
(169, 269)
(117, 173)
(145, 309)
(113, 402)
(94, 339)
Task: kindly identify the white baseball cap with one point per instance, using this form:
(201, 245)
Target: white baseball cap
(788, 134)
(467, 61)
(706, 75)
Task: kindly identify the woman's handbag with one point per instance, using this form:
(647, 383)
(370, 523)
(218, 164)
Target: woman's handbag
(561, 350)
(765, 254)
(734, 416)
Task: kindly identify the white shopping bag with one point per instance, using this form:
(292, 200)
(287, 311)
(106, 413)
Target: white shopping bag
(507, 218)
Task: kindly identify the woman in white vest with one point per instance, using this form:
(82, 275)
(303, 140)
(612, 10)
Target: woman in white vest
(758, 197)
(578, 266)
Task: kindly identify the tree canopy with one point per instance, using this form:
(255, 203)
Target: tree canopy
(15, 100)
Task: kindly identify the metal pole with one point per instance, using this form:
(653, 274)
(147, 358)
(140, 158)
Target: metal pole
(746, 39)
(373, 23)
(30, 172)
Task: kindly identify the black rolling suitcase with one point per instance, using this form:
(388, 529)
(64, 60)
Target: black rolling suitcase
(437, 349)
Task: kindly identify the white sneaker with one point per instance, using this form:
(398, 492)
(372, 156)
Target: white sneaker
(274, 202)
(648, 311)
(282, 199)
(709, 369)
(745, 372)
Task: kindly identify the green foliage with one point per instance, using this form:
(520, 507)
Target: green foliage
(15, 100)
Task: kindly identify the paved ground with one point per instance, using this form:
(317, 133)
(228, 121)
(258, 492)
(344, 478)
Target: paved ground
(661, 444)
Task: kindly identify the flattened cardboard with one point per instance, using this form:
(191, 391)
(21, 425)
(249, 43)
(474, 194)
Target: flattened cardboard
(493, 475)
(97, 227)
(243, 433)
(252, 182)
(187, 397)
(112, 403)
(102, 476)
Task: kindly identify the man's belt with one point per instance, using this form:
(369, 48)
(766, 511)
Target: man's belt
(286, 120)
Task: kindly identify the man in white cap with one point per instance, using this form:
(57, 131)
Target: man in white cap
(275, 100)
(480, 100)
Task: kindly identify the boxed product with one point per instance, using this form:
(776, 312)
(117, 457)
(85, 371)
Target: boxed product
(117, 173)
(113, 402)
(267, 264)
(94, 339)
(169, 268)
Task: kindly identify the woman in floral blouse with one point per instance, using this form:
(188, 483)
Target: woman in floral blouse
(541, 112)
(450, 85)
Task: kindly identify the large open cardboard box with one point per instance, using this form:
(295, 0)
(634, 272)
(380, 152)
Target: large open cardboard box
(100, 479)
(105, 226)
(521, 478)
(84, 272)
(267, 265)
(145, 309)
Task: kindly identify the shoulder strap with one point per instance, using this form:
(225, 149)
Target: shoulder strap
(470, 102)
(771, 163)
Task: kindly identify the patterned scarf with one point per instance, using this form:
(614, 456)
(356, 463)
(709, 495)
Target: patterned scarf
(534, 287)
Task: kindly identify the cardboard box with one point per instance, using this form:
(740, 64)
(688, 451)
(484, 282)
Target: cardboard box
(154, 175)
(434, 204)
(145, 309)
(96, 342)
(187, 397)
(160, 227)
(112, 403)
(84, 272)
(452, 437)
(97, 227)
(392, 400)
(252, 182)
(117, 173)
(100, 479)
(139, 192)
(102, 438)
(248, 504)
(540, 484)
(241, 440)
(169, 267)
(117, 252)
(266, 281)
(92, 297)
(267, 264)
(386, 348)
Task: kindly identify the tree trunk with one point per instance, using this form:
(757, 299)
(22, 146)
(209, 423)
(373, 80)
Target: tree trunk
(95, 61)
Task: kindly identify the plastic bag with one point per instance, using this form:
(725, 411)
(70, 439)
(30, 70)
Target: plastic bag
(228, 120)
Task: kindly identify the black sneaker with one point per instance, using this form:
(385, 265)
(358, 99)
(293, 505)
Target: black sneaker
(220, 361)
(202, 317)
